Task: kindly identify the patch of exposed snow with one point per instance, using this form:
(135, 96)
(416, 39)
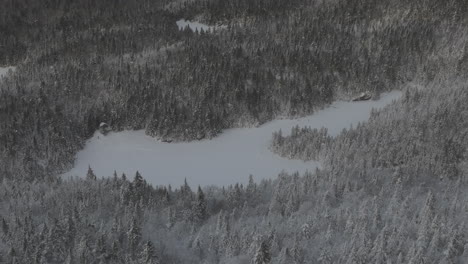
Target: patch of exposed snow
(224, 160)
(195, 26)
(5, 70)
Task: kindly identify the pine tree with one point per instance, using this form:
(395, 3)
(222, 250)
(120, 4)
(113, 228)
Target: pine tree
(171, 218)
(297, 252)
(70, 231)
(306, 231)
(434, 245)
(251, 191)
(138, 182)
(427, 212)
(455, 246)
(148, 255)
(134, 237)
(325, 257)
(285, 257)
(400, 258)
(5, 227)
(262, 256)
(198, 247)
(185, 190)
(90, 174)
(199, 208)
(329, 234)
(83, 250)
(100, 249)
(114, 256)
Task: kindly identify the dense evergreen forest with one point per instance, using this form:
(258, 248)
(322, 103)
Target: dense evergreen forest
(393, 190)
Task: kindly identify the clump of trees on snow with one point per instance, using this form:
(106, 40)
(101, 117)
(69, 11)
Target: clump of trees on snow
(303, 143)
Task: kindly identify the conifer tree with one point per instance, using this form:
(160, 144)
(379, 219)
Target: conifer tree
(148, 255)
(262, 256)
(199, 208)
(134, 237)
(90, 174)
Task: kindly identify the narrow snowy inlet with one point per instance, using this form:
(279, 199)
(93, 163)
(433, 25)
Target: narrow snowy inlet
(226, 159)
(194, 25)
(5, 70)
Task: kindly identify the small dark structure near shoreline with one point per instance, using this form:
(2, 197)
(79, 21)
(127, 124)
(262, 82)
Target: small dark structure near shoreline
(362, 97)
(104, 128)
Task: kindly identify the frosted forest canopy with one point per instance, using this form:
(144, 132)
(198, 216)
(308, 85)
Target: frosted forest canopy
(393, 190)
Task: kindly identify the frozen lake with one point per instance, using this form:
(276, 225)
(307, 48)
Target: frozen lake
(224, 160)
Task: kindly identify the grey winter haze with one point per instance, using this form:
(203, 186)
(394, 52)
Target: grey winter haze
(243, 131)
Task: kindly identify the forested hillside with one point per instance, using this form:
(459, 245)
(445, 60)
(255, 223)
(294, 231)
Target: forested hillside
(406, 204)
(393, 190)
(126, 64)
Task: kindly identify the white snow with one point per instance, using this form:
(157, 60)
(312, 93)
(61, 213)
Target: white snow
(224, 160)
(5, 70)
(194, 25)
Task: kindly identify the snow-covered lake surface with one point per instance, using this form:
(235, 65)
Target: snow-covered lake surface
(195, 26)
(4, 70)
(224, 160)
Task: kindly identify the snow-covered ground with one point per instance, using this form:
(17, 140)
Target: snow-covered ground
(5, 70)
(224, 160)
(193, 25)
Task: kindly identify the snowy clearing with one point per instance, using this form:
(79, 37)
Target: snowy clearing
(224, 160)
(5, 70)
(195, 26)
